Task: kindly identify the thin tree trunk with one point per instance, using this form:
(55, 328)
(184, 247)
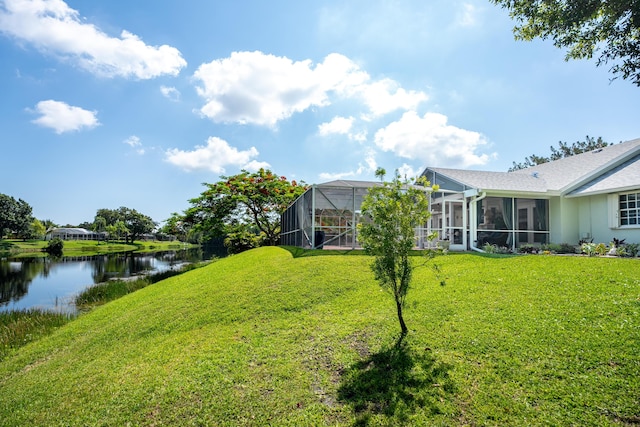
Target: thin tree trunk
(403, 325)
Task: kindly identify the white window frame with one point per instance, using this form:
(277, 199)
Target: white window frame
(615, 210)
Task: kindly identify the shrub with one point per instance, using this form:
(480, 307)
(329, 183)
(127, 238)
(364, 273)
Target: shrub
(632, 249)
(495, 249)
(593, 249)
(559, 248)
(601, 249)
(588, 248)
(618, 250)
(240, 240)
(528, 249)
(618, 242)
(54, 247)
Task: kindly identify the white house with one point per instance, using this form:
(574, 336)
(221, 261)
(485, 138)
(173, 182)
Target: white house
(69, 233)
(590, 196)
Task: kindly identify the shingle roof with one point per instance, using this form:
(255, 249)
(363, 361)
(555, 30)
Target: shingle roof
(577, 170)
(624, 177)
(503, 181)
(613, 167)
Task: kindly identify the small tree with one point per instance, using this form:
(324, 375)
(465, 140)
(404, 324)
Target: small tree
(37, 230)
(392, 211)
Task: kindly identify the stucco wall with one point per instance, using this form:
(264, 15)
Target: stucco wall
(595, 212)
(562, 221)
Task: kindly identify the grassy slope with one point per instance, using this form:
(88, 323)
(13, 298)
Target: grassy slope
(261, 338)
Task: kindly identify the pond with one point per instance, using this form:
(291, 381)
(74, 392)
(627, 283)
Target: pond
(50, 283)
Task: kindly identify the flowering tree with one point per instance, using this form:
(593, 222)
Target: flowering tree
(253, 200)
(392, 212)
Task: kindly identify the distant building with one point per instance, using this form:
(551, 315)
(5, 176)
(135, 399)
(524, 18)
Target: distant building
(66, 233)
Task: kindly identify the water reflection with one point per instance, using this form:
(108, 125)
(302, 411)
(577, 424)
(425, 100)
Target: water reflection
(51, 283)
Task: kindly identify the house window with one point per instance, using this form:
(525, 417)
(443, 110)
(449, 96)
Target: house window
(629, 209)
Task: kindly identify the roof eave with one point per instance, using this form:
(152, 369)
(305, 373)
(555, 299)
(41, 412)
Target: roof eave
(514, 193)
(605, 191)
(599, 171)
(457, 181)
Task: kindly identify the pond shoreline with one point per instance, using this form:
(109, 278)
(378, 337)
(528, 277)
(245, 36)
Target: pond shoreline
(49, 282)
(22, 326)
(35, 248)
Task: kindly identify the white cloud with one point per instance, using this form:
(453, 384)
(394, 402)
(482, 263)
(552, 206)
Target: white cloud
(337, 125)
(370, 162)
(385, 96)
(251, 87)
(215, 156)
(327, 176)
(342, 126)
(134, 142)
(368, 166)
(407, 171)
(431, 140)
(467, 15)
(62, 117)
(170, 92)
(54, 28)
(254, 166)
(256, 88)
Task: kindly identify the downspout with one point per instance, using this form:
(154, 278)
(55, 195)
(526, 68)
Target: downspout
(473, 229)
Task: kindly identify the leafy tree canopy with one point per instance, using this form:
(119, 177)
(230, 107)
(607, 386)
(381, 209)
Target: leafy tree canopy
(584, 28)
(37, 230)
(48, 224)
(563, 150)
(123, 221)
(239, 205)
(15, 217)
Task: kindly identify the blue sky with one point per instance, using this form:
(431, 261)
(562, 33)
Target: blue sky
(119, 103)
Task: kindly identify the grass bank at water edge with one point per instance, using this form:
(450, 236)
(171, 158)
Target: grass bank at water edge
(30, 248)
(263, 338)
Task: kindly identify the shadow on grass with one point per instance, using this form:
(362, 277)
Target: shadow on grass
(396, 383)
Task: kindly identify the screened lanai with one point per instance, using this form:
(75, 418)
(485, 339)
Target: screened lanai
(327, 215)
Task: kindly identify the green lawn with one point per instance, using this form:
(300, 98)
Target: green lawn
(19, 248)
(263, 338)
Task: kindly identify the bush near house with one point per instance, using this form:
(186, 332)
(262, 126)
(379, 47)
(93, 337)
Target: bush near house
(615, 248)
